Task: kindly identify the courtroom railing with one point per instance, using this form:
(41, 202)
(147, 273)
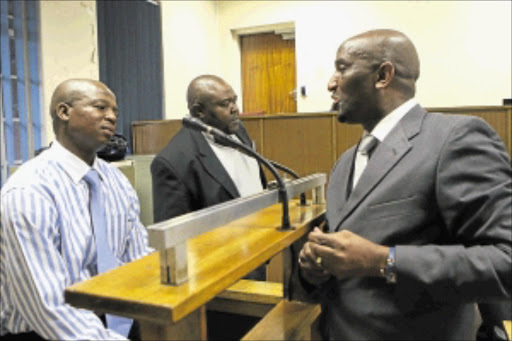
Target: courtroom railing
(170, 236)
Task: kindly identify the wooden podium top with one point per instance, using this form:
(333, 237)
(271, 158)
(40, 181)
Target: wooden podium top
(217, 259)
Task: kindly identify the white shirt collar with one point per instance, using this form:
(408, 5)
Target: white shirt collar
(382, 129)
(72, 164)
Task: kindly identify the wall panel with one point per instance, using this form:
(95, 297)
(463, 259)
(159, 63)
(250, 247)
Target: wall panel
(306, 143)
(150, 137)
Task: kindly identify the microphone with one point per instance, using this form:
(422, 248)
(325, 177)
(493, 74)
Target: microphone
(197, 124)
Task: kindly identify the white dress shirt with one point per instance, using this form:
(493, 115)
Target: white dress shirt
(243, 169)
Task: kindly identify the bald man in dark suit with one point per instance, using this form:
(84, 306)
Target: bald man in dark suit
(418, 213)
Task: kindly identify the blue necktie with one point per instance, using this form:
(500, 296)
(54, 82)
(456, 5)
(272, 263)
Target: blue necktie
(105, 258)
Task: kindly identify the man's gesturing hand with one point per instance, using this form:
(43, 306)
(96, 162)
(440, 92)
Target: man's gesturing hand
(346, 254)
(311, 268)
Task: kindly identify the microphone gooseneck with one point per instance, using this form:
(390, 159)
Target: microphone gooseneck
(196, 124)
(303, 201)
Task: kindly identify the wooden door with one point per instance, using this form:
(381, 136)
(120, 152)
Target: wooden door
(268, 74)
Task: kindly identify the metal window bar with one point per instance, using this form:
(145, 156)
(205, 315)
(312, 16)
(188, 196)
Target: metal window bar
(20, 54)
(20, 83)
(34, 81)
(3, 163)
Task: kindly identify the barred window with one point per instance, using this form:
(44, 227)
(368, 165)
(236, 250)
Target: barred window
(20, 85)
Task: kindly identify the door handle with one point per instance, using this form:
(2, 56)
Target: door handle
(293, 94)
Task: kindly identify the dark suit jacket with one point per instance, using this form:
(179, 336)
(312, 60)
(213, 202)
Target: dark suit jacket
(439, 188)
(188, 176)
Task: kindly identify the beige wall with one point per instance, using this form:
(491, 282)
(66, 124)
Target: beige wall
(190, 48)
(68, 47)
(465, 47)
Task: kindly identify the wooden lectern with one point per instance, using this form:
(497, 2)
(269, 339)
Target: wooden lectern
(200, 255)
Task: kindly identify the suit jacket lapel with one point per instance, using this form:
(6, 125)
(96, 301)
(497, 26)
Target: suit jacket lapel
(384, 158)
(347, 168)
(339, 189)
(212, 164)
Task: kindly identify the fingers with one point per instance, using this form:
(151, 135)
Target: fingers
(309, 260)
(327, 239)
(320, 245)
(315, 257)
(310, 269)
(324, 255)
(314, 272)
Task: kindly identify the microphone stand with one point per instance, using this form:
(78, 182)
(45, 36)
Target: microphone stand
(281, 188)
(303, 201)
(197, 124)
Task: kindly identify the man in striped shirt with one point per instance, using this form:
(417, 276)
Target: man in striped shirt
(46, 237)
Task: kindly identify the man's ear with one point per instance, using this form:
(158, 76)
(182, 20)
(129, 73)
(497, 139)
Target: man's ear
(385, 74)
(62, 111)
(197, 110)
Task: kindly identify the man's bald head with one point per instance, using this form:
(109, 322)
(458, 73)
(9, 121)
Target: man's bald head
(200, 87)
(213, 100)
(72, 90)
(379, 46)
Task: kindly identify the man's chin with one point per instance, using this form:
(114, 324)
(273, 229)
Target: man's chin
(234, 126)
(342, 118)
(347, 117)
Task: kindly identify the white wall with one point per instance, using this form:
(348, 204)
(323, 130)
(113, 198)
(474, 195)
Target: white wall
(190, 48)
(68, 48)
(464, 47)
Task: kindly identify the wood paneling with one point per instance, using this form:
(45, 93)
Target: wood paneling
(268, 73)
(303, 144)
(347, 135)
(307, 143)
(150, 137)
(254, 129)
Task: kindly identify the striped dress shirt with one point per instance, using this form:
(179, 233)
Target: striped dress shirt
(47, 243)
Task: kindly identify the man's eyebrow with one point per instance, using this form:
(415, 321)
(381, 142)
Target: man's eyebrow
(227, 99)
(341, 60)
(104, 102)
(99, 100)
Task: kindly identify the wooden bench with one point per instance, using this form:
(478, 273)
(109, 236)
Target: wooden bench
(288, 320)
(248, 297)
